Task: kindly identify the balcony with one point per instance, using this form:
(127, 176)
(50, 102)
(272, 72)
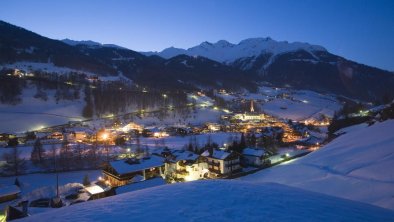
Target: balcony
(181, 172)
(217, 171)
(214, 164)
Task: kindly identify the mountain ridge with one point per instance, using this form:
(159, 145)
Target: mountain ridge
(226, 52)
(89, 43)
(296, 65)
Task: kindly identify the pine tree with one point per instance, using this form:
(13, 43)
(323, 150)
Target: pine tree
(87, 111)
(37, 152)
(65, 156)
(86, 181)
(146, 151)
(242, 143)
(17, 183)
(190, 147)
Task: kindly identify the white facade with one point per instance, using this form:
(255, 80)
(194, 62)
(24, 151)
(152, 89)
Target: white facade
(188, 172)
(253, 160)
(222, 166)
(249, 116)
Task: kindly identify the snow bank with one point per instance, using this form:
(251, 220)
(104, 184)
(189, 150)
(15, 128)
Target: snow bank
(355, 166)
(218, 200)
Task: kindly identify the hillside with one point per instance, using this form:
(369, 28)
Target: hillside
(219, 200)
(311, 188)
(209, 65)
(354, 166)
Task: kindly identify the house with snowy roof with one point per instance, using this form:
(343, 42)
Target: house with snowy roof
(74, 134)
(184, 165)
(254, 157)
(121, 172)
(98, 190)
(221, 163)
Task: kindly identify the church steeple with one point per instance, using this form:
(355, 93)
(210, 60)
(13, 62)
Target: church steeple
(251, 106)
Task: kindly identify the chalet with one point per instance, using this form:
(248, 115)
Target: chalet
(311, 140)
(183, 131)
(13, 213)
(221, 163)
(254, 157)
(162, 151)
(154, 132)
(56, 135)
(185, 166)
(213, 127)
(74, 134)
(98, 191)
(121, 172)
(132, 127)
(4, 137)
(9, 193)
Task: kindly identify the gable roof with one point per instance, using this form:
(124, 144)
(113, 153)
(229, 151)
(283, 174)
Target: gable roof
(125, 166)
(217, 154)
(253, 152)
(184, 155)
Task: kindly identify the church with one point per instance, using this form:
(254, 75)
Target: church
(251, 116)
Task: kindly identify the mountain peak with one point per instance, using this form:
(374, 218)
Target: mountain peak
(255, 40)
(223, 43)
(224, 51)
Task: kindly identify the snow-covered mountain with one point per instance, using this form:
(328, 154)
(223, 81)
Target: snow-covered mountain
(208, 65)
(223, 51)
(90, 43)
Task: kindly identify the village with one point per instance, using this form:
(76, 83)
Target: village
(134, 156)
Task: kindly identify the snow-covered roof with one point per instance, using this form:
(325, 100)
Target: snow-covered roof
(184, 155)
(123, 167)
(253, 152)
(140, 185)
(310, 140)
(217, 154)
(94, 189)
(9, 190)
(161, 150)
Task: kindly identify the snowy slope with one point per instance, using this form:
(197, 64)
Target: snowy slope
(33, 113)
(302, 105)
(357, 165)
(218, 201)
(223, 51)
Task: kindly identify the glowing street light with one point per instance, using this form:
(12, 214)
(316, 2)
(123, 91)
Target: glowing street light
(104, 136)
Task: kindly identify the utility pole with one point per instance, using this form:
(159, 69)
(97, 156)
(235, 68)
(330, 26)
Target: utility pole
(57, 176)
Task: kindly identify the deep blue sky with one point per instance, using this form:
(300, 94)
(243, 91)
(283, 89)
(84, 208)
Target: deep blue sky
(359, 30)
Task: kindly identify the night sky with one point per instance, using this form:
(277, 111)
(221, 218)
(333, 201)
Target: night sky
(359, 30)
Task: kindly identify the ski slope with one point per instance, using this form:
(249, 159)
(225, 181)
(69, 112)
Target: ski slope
(357, 166)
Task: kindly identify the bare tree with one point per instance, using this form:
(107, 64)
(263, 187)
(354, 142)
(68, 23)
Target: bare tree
(15, 165)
